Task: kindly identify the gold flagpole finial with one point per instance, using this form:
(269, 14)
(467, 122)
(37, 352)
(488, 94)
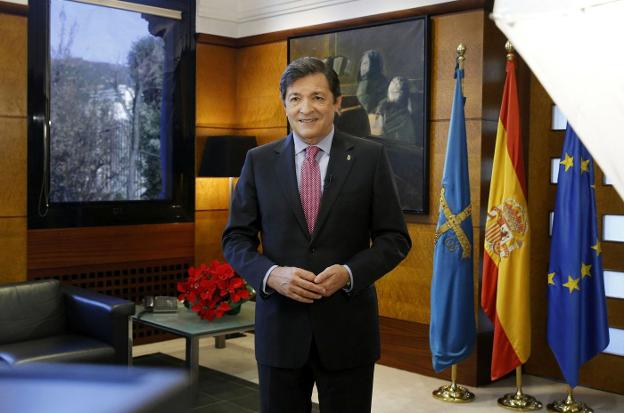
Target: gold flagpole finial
(510, 50)
(461, 51)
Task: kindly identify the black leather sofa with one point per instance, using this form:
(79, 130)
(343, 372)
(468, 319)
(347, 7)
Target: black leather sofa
(44, 321)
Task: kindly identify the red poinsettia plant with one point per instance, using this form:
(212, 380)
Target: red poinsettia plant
(214, 290)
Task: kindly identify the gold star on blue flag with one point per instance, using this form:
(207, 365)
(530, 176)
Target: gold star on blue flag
(577, 310)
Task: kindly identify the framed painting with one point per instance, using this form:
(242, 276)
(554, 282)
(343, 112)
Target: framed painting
(383, 76)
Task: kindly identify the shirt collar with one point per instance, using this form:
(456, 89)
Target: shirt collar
(325, 143)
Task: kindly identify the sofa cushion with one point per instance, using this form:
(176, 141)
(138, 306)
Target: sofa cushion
(60, 348)
(30, 311)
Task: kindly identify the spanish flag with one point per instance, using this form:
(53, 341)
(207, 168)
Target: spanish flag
(505, 291)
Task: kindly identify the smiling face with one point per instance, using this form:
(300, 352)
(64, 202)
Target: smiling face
(310, 107)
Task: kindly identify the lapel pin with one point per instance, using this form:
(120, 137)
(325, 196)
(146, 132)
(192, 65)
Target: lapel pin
(348, 157)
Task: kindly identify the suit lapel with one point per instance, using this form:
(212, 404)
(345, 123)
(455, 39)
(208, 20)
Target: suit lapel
(340, 162)
(286, 176)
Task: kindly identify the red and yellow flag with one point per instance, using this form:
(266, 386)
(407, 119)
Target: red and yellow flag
(505, 292)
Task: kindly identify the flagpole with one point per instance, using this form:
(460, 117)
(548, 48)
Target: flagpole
(569, 405)
(454, 392)
(518, 400)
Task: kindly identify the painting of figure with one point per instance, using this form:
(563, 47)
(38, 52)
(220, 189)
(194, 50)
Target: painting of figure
(383, 72)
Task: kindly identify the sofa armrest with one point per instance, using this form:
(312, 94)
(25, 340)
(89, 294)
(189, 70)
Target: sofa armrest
(100, 316)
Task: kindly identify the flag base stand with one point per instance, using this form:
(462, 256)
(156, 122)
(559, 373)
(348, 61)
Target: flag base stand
(518, 400)
(453, 393)
(569, 405)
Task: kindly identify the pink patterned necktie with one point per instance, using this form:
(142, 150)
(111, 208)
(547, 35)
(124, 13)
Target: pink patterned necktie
(310, 187)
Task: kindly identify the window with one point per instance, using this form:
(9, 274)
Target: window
(111, 107)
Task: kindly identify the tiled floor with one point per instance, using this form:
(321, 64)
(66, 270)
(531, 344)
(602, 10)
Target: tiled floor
(216, 392)
(395, 391)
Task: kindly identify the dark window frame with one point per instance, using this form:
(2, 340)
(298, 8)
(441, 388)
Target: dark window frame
(179, 208)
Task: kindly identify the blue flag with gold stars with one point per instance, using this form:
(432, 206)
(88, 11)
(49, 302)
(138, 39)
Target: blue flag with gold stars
(452, 328)
(577, 311)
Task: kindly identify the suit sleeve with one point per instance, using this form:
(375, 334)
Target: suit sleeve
(390, 239)
(240, 239)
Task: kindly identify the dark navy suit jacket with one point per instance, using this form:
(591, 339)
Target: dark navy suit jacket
(360, 224)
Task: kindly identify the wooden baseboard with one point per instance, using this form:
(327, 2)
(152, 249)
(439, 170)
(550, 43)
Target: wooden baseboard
(405, 345)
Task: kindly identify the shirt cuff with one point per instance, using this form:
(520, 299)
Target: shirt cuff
(348, 290)
(266, 278)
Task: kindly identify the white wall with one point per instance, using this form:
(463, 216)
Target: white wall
(241, 18)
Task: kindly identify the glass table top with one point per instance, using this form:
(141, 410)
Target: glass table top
(187, 323)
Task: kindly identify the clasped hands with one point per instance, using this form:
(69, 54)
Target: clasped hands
(306, 287)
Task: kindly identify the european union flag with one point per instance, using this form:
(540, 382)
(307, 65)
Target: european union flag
(577, 312)
(452, 327)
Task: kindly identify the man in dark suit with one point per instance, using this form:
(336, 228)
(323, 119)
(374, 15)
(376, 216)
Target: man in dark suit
(324, 207)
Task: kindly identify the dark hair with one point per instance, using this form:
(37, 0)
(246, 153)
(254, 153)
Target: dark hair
(305, 66)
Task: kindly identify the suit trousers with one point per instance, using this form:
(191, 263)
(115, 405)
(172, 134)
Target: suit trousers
(340, 391)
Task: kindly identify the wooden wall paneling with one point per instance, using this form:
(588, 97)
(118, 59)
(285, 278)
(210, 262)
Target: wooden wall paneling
(542, 143)
(211, 194)
(615, 312)
(215, 86)
(606, 195)
(612, 255)
(70, 247)
(243, 85)
(13, 65)
(12, 250)
(209, 226)
(447, 32)
(13, 167)
(13, 141)
(404, 293)
(259, 69)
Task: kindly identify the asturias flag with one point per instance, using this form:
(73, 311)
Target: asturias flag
(577, 311)
(452, 327)
(505, 291)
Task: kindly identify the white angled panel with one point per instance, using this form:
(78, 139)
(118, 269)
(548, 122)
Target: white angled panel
(558, 119)
(614, 284)
(613, 228)
(607, 180)
(616, 342)
(554, 170)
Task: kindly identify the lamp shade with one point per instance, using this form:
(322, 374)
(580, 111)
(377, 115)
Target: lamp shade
(224, 155)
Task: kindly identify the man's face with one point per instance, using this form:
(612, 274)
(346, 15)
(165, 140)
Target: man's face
(310, 107)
